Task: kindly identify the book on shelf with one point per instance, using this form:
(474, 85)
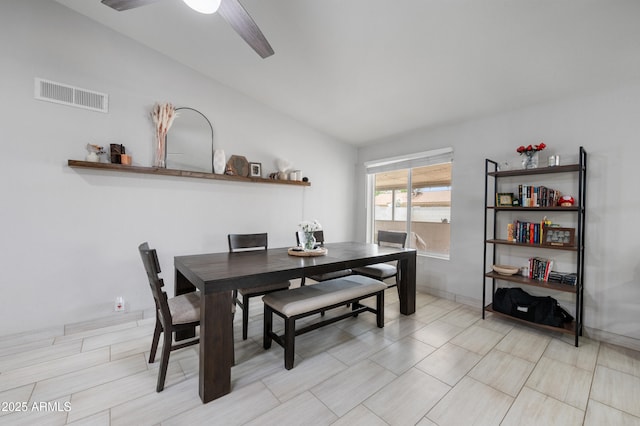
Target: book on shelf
(526, 232)
(568, 278)
(540, 268)
(537, 196)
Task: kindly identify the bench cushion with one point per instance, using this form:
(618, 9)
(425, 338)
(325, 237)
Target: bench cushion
(326, 293)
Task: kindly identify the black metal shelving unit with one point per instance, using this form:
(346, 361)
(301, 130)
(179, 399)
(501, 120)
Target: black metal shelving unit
(492, 244)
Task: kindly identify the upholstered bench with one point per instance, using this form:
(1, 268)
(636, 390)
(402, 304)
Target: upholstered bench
(301, 302)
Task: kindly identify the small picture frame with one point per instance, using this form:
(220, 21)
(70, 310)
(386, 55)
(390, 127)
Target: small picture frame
(255, 169)
(558, 237)
(504, 199)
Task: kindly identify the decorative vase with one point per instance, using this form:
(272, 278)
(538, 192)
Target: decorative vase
(219, 161)
(309, 241)
(161, 151)
(530, 160)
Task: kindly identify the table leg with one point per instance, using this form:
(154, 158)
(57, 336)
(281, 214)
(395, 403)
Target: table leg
(407, 285)
(182, 286)
(216, 345)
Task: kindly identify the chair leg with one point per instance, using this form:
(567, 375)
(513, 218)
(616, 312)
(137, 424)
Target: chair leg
(245, 316)
(380, 309)
(289, 342)
(267, 327)
(154, 342)
(164, 360)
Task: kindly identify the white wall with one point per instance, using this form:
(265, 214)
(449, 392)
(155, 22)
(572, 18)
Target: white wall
(608, 126)
(69, 240)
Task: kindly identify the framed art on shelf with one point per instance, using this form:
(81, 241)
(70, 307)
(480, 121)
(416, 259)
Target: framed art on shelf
(504, 199)
(560, 237)
(255, 169)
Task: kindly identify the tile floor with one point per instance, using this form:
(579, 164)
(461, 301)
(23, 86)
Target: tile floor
(442, 366)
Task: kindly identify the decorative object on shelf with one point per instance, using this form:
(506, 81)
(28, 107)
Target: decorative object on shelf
(116, 150)
(94, 152)
(255, 169)
(283, 167)
(125, 159)
(504, 199)
(190, 142)
(530, 152)
(504, 166)
(505, 269)
(163, 116)
(308, 228)
(295, 175)
(219, 161)
(554, 160)
(237, 166)
(566, 201)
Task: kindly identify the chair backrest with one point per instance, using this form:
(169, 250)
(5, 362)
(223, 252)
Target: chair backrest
(319, 236)
(392, 239)
(152, 267)
(239, 242)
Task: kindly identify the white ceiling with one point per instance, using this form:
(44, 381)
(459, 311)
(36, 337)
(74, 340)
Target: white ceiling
(361, 70)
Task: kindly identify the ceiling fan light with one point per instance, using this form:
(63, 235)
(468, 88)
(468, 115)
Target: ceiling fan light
(203, 6)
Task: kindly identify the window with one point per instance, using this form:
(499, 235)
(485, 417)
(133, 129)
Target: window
(413, 194)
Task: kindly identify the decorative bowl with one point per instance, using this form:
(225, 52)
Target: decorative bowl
(505, 269)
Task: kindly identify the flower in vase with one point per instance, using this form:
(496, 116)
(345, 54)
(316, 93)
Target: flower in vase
(531, 149)
(308, 226)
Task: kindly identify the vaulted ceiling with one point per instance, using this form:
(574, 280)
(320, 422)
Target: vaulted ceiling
(361, 70)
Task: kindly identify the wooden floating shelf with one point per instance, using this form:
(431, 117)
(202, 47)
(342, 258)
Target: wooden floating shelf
(180, 173)
(536, 171)
(539, 246)
(518, 279)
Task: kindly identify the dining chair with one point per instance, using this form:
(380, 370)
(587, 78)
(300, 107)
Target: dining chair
(319, 236)
(250, 242)
(382, 271)
(172, 314)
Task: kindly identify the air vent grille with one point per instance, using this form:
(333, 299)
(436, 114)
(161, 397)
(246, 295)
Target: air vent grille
(50, 91)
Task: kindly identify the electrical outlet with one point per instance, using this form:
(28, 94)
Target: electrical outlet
(119, 305)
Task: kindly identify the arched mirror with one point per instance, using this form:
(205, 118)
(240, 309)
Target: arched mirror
(190, 142)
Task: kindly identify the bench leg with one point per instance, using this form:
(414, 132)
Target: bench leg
(380, 309)
(289, 342)
(268, 326)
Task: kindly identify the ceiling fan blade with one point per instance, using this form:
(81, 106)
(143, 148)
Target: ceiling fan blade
(121, 5)
(240, 20)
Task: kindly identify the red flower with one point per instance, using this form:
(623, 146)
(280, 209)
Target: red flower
(531, 148)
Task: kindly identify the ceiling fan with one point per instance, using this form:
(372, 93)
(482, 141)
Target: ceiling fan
(231, 10)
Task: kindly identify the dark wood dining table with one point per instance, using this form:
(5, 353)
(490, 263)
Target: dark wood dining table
(215, 275)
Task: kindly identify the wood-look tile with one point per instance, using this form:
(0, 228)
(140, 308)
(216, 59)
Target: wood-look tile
(236, 408)
(258, 367)
(54, 368)
(305, 409)
(583, 357)
(25, 347)
(408, 398)
(286, 384)
(19, 394)
(619, 358)
(477, 339)
(533, 408)
(102, 340)
(99, 419)
(399, 328)
(471, 402)
(132, 347)
(463, 317)
(360, 416)
(114, 319)
(425, 422)
(402, 355)
(85, 378)
(52, 413)
(342, 392)
(430, 313)
(27, 337)
(503, 371)
(154, 407)
(359, 347)
(437, 333)
(449, 363)
(561, 381)
(616, 389)
(101, 397)
(95, 332)
(317, 341)
(36, 356)
(524, 343)
(495, 323)
(599, 414)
